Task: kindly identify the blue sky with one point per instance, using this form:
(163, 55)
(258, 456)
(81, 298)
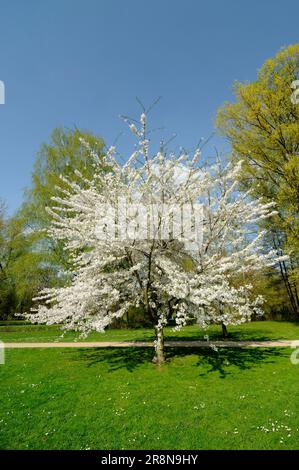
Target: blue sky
(81, 63)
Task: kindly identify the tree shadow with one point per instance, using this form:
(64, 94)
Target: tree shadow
(224, 359)
(238, 335)
(209, 360)
(117, 358)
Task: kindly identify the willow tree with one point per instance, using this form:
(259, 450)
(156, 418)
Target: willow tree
(63, 154)
(29, 260)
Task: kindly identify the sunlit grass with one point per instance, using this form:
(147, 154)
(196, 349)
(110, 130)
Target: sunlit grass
(261, 330)
(117, 399)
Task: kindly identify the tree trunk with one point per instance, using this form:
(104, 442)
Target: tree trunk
(291, 289)
(224, 330)
(159, 357)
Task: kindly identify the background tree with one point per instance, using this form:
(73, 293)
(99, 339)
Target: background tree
(29, 260)
(6, 292)
(24, 271)
(263, 129)
(65, 153)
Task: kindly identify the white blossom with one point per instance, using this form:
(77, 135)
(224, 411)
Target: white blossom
(110, 275)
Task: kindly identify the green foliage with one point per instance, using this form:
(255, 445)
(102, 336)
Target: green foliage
(263, 129)
(66, 153)
(24, 271)
(29, 260)
(61, 157)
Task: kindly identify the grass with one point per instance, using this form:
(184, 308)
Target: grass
(261, 330)
(117, 399)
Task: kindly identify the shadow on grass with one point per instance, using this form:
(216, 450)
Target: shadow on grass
(237, 335)
(243, 358)
(207, 359)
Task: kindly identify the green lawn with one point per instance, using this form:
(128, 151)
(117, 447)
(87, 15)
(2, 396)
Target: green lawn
(262, 330)
(117, 399)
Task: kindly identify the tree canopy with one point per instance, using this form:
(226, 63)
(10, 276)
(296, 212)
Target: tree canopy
(262, 126)
(124, 232)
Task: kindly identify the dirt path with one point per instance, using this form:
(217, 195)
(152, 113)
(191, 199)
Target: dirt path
(144, 344)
